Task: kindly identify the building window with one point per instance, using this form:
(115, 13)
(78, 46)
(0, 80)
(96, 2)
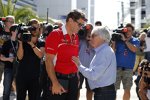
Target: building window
(132, 4)
(133, 20)
(142, 2)
(142, 25)
(143, 14)
(132, 11)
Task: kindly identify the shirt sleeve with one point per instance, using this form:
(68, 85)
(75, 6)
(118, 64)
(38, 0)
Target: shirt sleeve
(52, 42)
(101, 63)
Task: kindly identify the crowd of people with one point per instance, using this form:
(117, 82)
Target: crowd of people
(54, 66)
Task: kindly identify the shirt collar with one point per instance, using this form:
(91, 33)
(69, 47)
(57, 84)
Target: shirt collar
(64, 30)
(101, 47)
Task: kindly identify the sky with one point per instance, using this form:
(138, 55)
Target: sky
(106, 12)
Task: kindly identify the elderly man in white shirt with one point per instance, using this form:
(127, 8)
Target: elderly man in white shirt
(101, 73)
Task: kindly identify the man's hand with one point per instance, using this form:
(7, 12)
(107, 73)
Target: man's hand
(58, 89)
(11, 59)
(76, 60)
(123, 37)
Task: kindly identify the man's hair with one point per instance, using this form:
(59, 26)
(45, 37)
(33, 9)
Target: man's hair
(98, 23)
(103, 32)
(10, 16)
(75, 15)
(130, 25)
(33, 21)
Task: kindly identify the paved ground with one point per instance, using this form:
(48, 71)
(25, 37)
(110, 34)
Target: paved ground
(82, 97)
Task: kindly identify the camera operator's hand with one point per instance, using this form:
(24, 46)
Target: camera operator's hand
(11, 59)
(123, 37)
(19, 41)
(31, 43)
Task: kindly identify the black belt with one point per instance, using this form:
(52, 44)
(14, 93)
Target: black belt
(105, 87)
(66, 75)
(122, 68)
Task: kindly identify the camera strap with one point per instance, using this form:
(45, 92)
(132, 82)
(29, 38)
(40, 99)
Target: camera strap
(15, 51)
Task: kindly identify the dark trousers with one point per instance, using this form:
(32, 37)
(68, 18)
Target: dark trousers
(105, 93)
(43, 88)
(72, 91)
(24, 85)
(7, 83)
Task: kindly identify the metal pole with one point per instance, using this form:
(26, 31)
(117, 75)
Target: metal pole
(118, 19)
(122, 9)
(47, 14)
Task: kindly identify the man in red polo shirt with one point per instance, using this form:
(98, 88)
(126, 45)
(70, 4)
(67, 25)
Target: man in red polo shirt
(62, 44)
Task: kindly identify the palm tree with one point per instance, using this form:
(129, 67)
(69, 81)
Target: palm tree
(22, 14)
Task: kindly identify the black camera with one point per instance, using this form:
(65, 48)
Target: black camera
(82, 32)
(2, 19)
(147, 31)
(47, 28)
(24, 32)
(116, 36)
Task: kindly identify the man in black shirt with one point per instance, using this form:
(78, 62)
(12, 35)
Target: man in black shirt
(4, 36)
(8, 53)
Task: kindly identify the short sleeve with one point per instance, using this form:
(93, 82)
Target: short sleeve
(52, 42)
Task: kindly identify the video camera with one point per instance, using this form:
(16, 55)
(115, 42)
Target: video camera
(82, 33)
(47, 28)
(24, 32)
(2, 19)
(116, 36)
(147, 31)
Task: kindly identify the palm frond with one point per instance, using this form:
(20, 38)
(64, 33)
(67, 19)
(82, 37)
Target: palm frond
(24, 14)
(2, 9)
(13, 7)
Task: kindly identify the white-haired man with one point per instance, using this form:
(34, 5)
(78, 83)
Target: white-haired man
(101, 73)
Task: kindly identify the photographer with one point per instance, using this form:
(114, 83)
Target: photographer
(86, 53)
(144, 83)
(45, 30)
(30, 52)
(5, 25)
(8, 54)
(125, 50)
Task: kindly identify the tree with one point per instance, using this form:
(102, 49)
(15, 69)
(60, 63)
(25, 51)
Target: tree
(23, 14)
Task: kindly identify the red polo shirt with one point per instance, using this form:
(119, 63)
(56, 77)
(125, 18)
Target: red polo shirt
(64, 47)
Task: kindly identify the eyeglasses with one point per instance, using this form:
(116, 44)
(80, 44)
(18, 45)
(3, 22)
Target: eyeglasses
(12, 22)
(79, 24)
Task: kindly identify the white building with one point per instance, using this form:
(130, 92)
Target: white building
(58, 9)
(88, 7)
(142, 13)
